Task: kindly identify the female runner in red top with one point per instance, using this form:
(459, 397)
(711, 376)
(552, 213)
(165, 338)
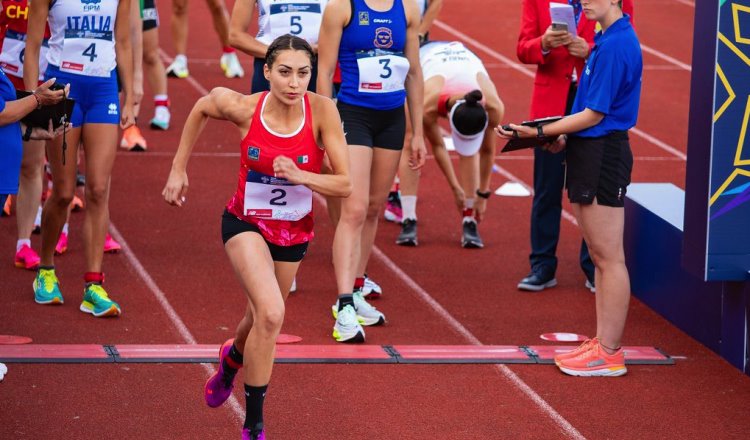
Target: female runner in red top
(268, 223)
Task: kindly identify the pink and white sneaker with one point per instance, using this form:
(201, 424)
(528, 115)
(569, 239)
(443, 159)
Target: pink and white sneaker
(62, 244)
(111, 246)
(27, 258)
(393, 212)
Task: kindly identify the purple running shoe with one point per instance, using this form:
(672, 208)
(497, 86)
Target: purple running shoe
(257, 433)
(219, 386)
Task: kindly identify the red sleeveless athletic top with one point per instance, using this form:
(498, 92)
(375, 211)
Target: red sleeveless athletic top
(281, 210)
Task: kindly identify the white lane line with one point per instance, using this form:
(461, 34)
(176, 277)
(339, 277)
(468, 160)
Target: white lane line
(529, 72)
(459, 328)
(563, 424)
(666, 58)
(161, 298)
(651, 67)
(686, 2)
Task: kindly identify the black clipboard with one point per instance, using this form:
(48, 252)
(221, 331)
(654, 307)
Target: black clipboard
(523, 143)
(39, 118)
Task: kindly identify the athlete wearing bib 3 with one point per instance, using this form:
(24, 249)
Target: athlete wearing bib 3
(457, 87)
(13, 21)
(377, 47)
(300, 18)
(268, 223)
(88, 40)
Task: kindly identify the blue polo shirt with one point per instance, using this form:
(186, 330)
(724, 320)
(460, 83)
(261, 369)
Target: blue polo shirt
(11, 148)
(611, 81)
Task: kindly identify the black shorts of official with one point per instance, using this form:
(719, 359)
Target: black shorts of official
(599, 168)
(261, 84)
(373, 128)
(231, 226)
(150, 15)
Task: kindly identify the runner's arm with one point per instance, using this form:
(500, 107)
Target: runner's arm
(124, 54)
(430, 15)
(239, 38)
(37, 21)
(331, 29)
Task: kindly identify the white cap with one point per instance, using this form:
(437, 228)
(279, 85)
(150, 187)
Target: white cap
(466, 145)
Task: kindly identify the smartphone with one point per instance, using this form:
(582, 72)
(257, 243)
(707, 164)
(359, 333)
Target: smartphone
(559, 26)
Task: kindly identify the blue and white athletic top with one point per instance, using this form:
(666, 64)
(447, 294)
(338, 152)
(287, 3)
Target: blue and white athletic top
(301, 18)
(371, 56)
(82, 36)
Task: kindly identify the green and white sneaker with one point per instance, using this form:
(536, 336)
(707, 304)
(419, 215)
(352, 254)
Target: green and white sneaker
(347, 328)
(97, 302)
(366, 314)
(47, 287)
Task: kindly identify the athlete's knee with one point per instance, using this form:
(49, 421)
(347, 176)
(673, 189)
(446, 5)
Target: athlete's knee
(179, 7)
(354, 213)
(60, 198)
(150, 57)
(216, 7)
(373, 209)
(269, 319)
(96, 194)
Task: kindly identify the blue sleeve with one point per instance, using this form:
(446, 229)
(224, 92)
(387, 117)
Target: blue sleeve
(606, 79)
(2, 104)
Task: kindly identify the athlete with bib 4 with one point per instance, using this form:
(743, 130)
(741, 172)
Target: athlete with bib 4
(300, 18)
(88, 39)
(268, 223)
(377, 46)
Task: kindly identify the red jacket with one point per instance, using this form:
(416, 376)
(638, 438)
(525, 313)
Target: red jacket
(555, 70)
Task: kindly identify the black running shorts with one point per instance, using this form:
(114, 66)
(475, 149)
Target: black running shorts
(150, 15)
(231, 226)
(599, 167)
(373, 128)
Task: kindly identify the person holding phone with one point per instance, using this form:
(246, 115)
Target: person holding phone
(559, 58)
(599, 164)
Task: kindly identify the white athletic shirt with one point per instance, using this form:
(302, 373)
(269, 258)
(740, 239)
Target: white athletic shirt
(82, 36)
(454, 62)
(422, 7)
(301, 18)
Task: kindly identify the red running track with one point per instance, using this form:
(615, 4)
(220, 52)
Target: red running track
(175, 288)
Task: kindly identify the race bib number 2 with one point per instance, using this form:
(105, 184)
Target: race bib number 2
(272, 198)
(381, 71)
(90, 53)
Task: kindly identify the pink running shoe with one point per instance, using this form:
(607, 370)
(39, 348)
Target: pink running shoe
(111, 246)
(393, 211)
(62, 244)
(26, 258)
(219, 386)
(257, 433)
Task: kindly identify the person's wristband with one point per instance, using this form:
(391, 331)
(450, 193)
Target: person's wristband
(38, 101)
(540, 132)
(484, 195)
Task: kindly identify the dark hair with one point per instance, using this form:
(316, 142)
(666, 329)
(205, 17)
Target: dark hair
(287, 42)
(470, 117)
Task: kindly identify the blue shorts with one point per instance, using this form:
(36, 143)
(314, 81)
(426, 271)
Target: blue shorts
(97, 101)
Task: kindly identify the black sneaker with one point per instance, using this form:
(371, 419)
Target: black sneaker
(536, 282)
(470, 238)
(408, 235)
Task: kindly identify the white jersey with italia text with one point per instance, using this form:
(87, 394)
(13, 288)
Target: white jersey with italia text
(454, 62)
(301, 18)
(82, 37)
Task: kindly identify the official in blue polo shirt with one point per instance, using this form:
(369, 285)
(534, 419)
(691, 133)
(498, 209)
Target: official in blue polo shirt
(600, 162)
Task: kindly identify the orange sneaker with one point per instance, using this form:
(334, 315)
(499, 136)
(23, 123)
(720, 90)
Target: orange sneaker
(132, 139)
(594, 361)
(576, 351)
(6, 207)
(76, 204)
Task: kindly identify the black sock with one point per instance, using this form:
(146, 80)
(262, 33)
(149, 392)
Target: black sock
(345, 300)
(232, 363)
(254, 397)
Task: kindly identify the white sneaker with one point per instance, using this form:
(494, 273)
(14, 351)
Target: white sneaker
(366, 314)
(371, 289)
(230, 64)
(3, 371)
(161, 118)
(178, 68)
(38, 221)
(347, 328)
(294, 286)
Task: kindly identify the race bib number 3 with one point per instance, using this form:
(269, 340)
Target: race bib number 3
(90, 53)
(271, 198)
(381, 71)
(299, 19)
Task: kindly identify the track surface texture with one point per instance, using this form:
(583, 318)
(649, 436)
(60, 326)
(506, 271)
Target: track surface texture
(175, 286)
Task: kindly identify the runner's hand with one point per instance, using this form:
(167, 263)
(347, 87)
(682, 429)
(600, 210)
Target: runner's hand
(480, 207)
(176, 188)
(418, 153)
(39, 133)
(459, 197)
(127, 116)
(285, 168)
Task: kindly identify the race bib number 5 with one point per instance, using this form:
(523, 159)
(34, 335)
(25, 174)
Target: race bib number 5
(299, 19)
(381, 71)
(272, 198)
(90, 53)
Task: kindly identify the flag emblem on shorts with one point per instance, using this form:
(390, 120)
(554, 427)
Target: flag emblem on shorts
(303, 159)
(253, 153)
